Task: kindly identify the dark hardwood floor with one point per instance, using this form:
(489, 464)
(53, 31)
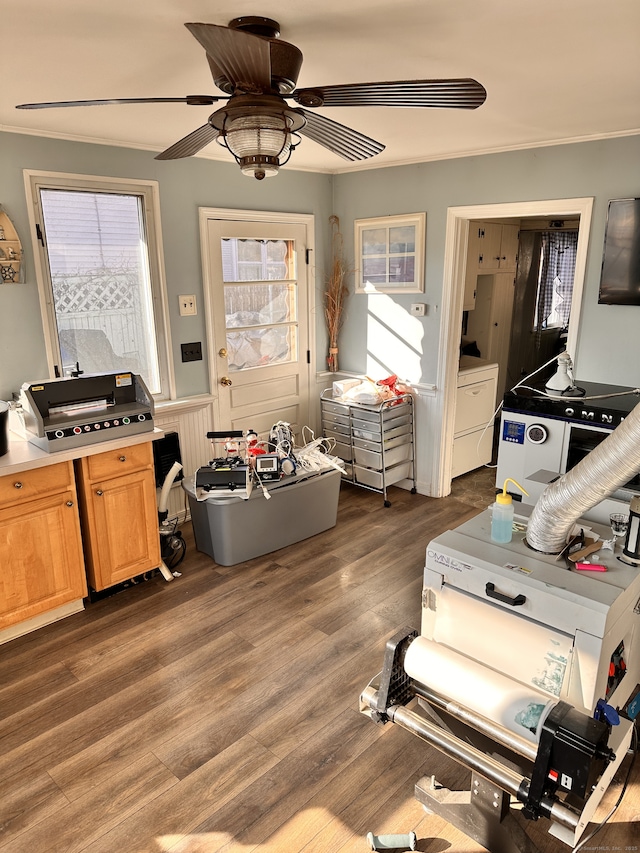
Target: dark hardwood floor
(219, 712)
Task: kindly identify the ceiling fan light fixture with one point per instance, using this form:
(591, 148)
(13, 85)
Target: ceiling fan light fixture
(260, 133)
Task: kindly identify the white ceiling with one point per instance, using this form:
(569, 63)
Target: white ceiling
(554, 70)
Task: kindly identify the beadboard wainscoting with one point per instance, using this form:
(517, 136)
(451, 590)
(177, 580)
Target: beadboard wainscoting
(192, 419)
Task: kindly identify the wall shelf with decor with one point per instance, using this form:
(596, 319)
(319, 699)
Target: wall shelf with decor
(11, 254)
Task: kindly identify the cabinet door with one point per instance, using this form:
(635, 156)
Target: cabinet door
(122, 522)
(503, 293)
(509, 247)
(489, 240)
(471, 272)
(42, 564)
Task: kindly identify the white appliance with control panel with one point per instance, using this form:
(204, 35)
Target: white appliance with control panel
(543, 437)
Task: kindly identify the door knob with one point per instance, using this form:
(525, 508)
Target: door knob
(222, 352)
(99, 492)
(226, 381)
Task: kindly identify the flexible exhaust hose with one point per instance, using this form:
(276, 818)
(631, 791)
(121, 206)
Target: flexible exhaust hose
(608, 467)
(166, 486)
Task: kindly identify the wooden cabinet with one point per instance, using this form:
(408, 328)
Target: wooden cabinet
(475, 405)
(489, 325)
(492, 248)
(42, 565)
(119, 514)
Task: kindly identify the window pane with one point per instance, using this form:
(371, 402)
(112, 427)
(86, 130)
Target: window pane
(99, 267)
(374, 270)
(402, 270)
(402, 239)
(260, 347)
(258, 304)
(257, 260)
(374, 241)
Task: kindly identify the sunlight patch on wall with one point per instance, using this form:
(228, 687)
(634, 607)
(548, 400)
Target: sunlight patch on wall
(394, 340)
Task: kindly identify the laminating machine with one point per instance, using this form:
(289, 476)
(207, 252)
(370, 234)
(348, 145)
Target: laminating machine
(526, 668)
(59, 414)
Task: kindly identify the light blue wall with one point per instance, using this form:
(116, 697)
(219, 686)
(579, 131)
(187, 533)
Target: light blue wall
(185, 185)
(604, 170)
(608, 348)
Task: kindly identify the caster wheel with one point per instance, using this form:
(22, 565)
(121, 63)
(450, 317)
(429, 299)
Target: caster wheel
(387, 503)
(414, 491)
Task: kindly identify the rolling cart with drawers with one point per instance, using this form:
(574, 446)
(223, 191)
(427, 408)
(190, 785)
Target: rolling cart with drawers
(376, 442)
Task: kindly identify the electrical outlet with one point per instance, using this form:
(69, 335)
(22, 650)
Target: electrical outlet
(418, 309)
(187, 305)
(192, 352)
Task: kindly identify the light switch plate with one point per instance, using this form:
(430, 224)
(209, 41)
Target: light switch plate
(187, 305)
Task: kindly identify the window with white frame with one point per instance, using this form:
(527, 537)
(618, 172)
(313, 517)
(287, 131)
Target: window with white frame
(100, 276)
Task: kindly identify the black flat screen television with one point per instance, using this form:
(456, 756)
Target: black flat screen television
(620, 278)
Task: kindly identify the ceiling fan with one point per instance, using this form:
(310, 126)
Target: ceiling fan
(257, 72)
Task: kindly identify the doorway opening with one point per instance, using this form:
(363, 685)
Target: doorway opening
(455, 266)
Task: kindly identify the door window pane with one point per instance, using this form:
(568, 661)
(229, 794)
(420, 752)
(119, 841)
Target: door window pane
(261, 347)
(257, 260)
(260, 302)
(99, 270)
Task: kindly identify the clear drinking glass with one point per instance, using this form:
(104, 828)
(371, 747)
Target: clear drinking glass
(619, 523)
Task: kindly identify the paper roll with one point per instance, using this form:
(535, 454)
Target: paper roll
(516, 707)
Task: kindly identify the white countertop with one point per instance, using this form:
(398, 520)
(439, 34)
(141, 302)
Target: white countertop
(469, 364)
(24, 456)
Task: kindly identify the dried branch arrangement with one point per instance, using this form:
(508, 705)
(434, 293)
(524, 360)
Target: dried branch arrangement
(336, 292)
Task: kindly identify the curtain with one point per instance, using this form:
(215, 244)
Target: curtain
(555, 283)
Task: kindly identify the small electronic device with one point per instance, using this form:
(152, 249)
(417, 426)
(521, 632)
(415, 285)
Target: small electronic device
(229, 474)
(267, 466)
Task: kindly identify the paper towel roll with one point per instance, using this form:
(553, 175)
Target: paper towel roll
(512, 705)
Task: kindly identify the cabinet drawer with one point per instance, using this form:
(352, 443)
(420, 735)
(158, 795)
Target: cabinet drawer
(475, 405)
(371, 459)
(329, 418)
(478, 374)
(116, 463)
(377, 414)
(337, 431)
(470, 451)
(335, 408)
(51, 479)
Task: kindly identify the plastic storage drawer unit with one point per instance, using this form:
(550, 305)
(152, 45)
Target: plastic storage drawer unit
(374, 441)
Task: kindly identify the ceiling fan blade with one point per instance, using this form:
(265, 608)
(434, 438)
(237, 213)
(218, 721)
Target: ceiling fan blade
(344, 141)
(198, 100)
(462, 93)
(242, 58)
(190, 144)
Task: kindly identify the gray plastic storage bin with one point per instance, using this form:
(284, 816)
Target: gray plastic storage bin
(232, 530)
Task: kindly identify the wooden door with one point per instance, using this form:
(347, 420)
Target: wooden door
(259, 323)
(42, 562)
